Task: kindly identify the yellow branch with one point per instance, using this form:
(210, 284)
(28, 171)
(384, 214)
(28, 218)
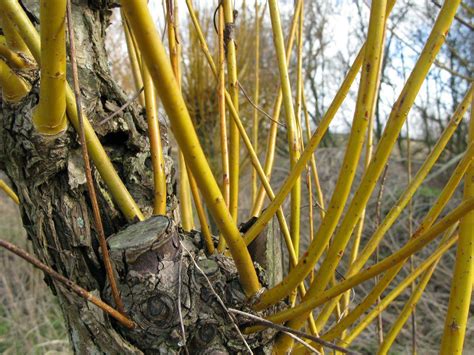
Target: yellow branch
(134, 61)
(185, 203)
(272, 134)
(206, 233)
(221, 106)
(363, 114)
(234, 144)
(184, 191)
(157, 61)
(49, 116)
(363, 193)
(406, 196)
(12, 36)
(119, 192)
(156, 149)
(414, 245)
(256, 96)
(12, 58)
(291, 128)
(14, 88)
(411, 303)
(9, 192)
(461, 284)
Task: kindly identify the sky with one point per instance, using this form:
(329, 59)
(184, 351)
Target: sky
(342, 41)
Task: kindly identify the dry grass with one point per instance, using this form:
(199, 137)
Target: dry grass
(432, 307)
(30, 318)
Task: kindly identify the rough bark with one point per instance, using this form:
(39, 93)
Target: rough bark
(48, 177)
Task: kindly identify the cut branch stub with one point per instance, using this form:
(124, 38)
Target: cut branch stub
(147, 257)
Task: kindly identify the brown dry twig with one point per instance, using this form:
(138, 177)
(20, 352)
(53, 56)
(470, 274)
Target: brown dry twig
(259, 109)
(123, 107)
(87, 167)
(295, 334)
(126, 322)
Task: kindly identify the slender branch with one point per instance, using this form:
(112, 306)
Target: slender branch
(459, 19)
(291, 127)
(135, 61)
(115, 185)
(49, 117)
(9, 192)
(461, 285)
(123, 107)
(378, 212)
(272, 134)
(14, 88)
(87, 167)
(259, 109)
(256, 97)
(234, 139)
(126, 322)
(410, 231)
(289, 331)
(220, 76)
(13, 59)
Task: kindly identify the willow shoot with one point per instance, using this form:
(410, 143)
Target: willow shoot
(392, 129)
(49, 117)
(414, 245)
(7, 189)
(232, 80)
(155, 57)
(14, 87)
(461, 285)
(119, 192)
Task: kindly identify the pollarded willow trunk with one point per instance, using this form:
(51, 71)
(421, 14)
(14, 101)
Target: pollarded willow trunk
(155, 272)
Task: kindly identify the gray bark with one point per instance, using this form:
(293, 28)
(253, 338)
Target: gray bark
(48, 177)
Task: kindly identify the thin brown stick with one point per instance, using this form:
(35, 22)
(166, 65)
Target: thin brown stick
(87, 168)
(123, 107)
(219, 299)
(272, 325)
(259, 109)
(287, 330)
(258, 319)
(126, 322)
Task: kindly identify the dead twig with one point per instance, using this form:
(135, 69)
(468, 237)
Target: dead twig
(123, 107)
(87, 167)
(257, 107)
(295, 334)
(219, 299)
(126, 322)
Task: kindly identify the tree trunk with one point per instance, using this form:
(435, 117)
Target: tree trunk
(149, 259)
